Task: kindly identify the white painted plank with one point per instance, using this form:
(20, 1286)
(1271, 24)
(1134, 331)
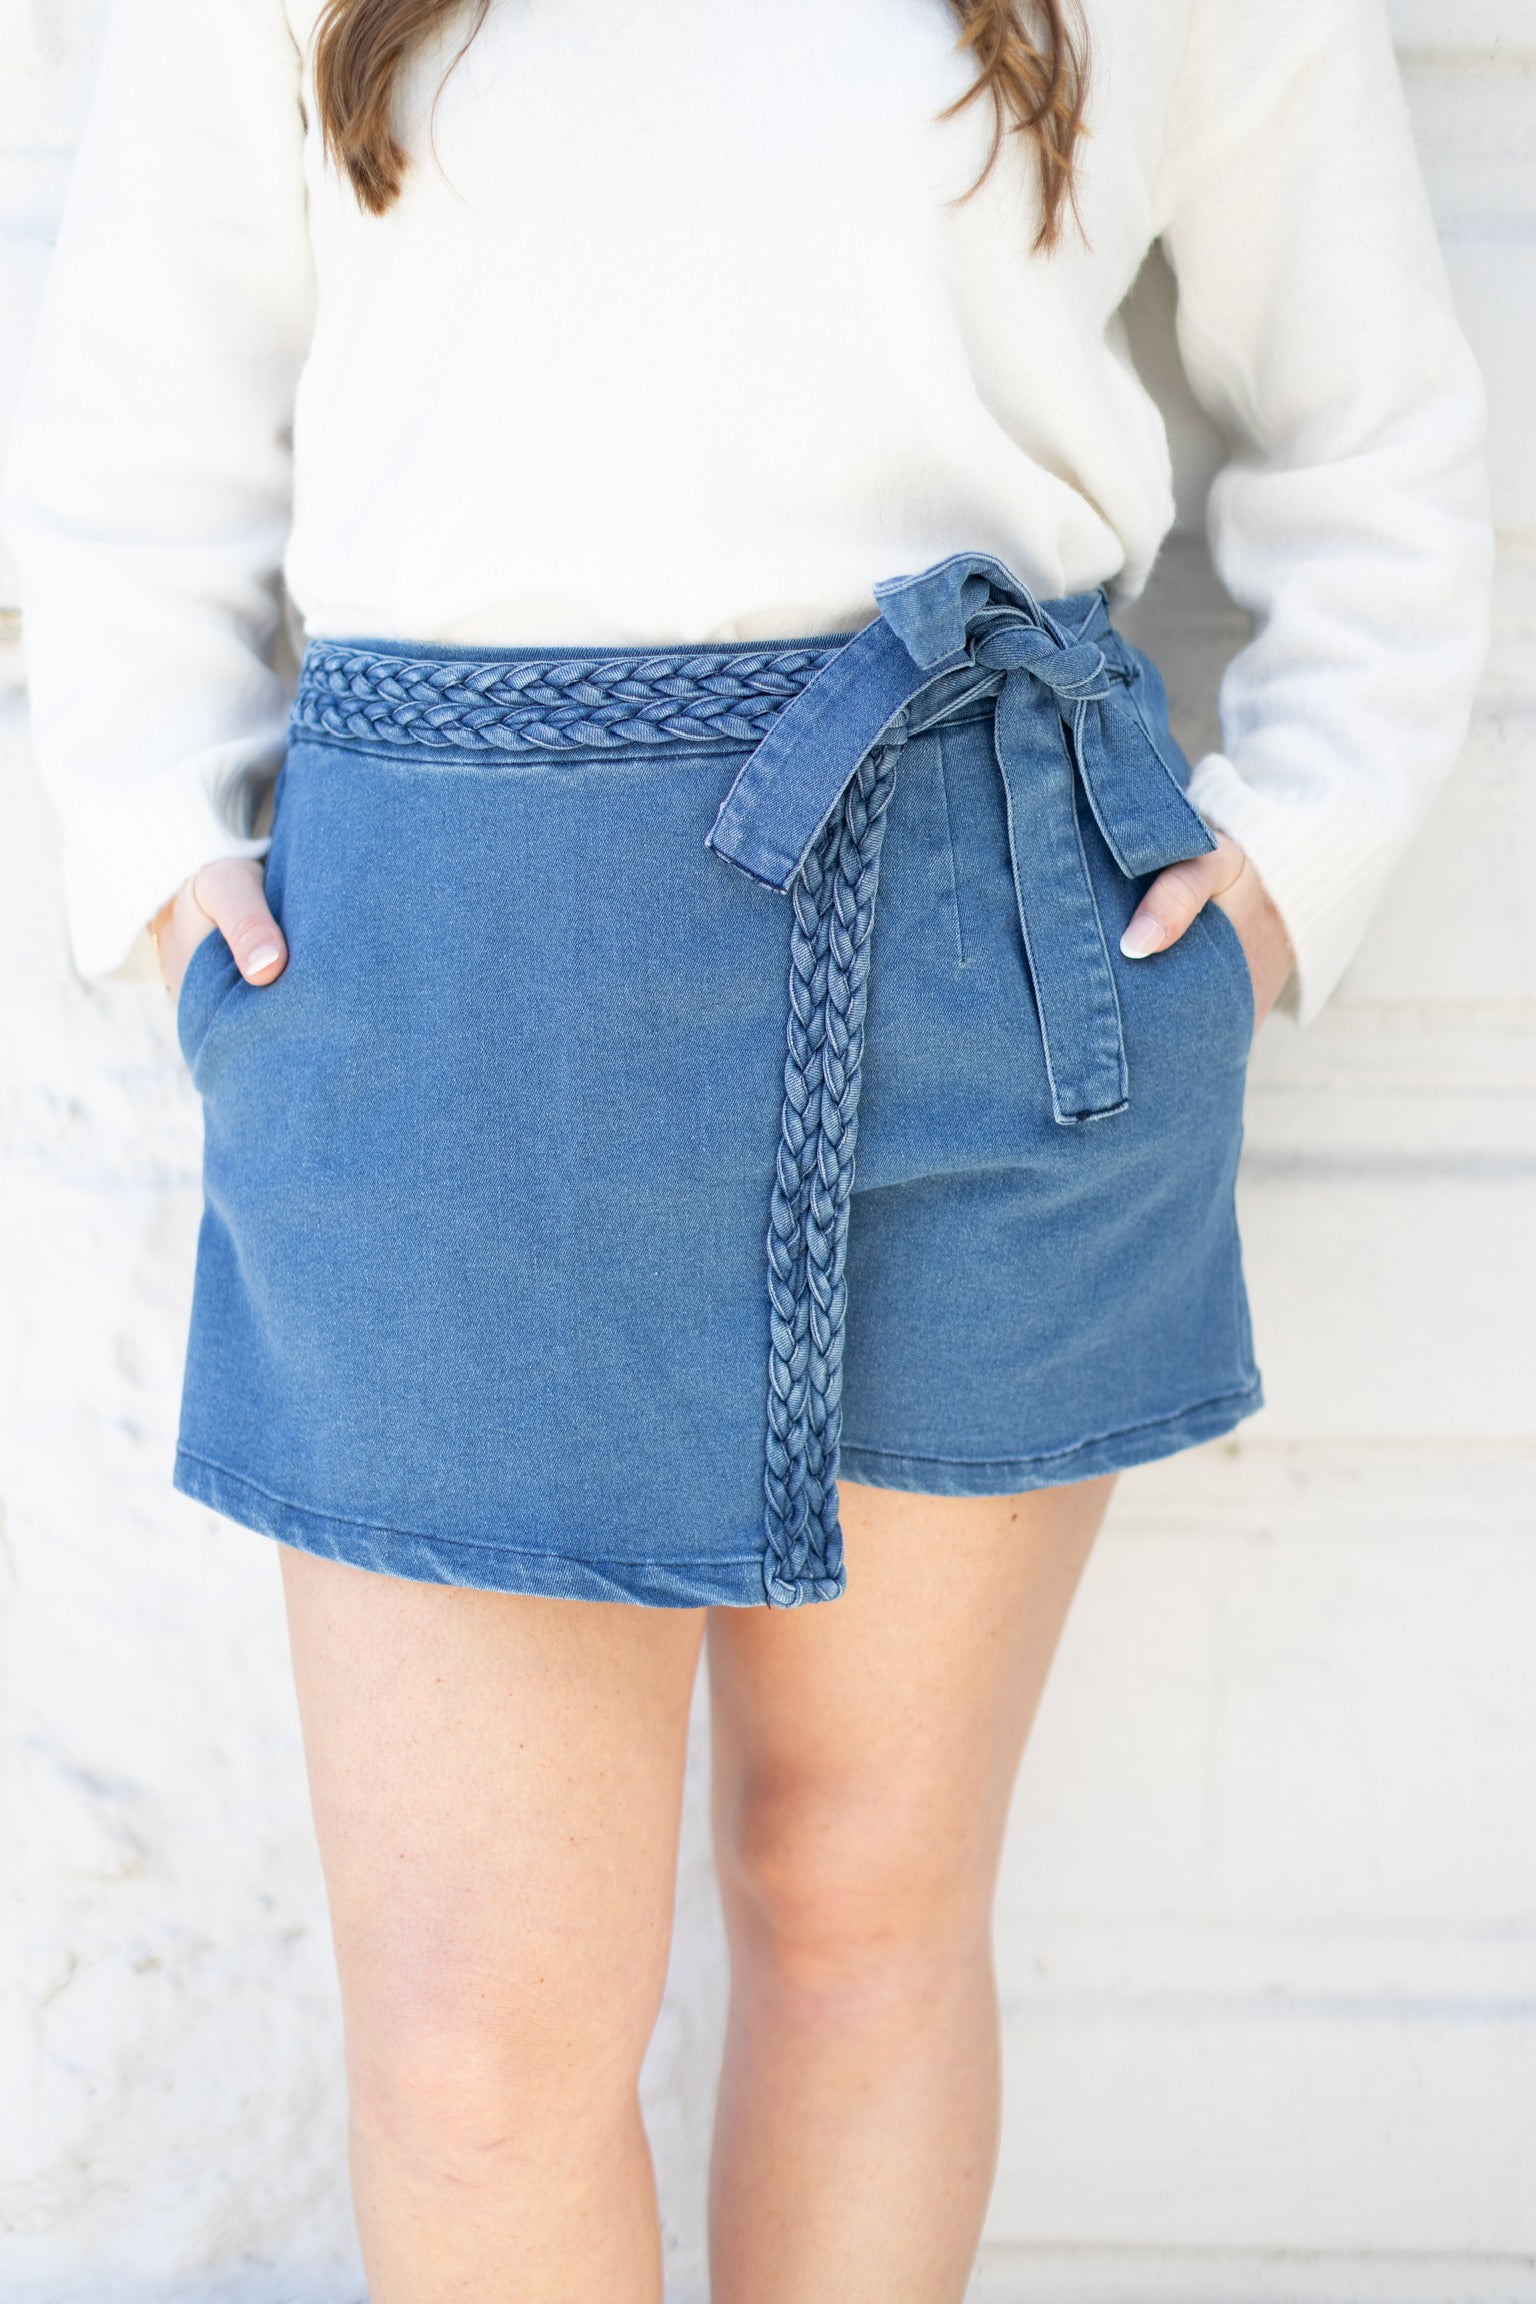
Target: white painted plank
(1493, 278)
(1180, 2126)
(1256, 2276)
(1295, 1688)
(1389, 1305)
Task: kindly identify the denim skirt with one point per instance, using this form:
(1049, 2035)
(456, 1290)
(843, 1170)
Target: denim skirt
(698, 1072)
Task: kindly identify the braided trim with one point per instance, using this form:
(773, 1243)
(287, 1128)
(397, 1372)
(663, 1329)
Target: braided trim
(549, 704)
(834, 911)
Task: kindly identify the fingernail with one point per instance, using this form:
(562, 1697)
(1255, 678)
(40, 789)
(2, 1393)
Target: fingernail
(262, 957)
(1144, 935)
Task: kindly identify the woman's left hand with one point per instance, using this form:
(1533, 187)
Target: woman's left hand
(1227, 877)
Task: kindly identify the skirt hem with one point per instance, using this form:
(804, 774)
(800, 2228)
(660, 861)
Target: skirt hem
(480, 1567)
(685, 1584)
(1087, 1460)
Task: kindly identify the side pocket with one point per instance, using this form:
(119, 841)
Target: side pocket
(1219, 931)
(211, 976)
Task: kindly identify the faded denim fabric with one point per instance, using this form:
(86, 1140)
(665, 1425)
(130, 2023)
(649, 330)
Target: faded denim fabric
(482, 1291)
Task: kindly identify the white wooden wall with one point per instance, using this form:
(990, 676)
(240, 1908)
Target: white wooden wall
(1268, 1926)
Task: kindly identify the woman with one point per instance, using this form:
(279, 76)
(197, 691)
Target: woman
(713, 444)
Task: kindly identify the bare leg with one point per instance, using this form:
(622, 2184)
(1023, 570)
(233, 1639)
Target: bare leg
(496, 1784)
(864, 1758)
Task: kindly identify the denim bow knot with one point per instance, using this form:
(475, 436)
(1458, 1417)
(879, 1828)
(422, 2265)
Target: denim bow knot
(806, 815)
(1074, 671)
(962, 628)
(975, 610)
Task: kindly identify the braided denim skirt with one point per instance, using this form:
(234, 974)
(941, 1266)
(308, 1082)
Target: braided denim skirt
(698, 1072)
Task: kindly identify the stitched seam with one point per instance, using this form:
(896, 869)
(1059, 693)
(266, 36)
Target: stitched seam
(954, 865)
(1055, 1455)
(453, 1543)
(515, 760)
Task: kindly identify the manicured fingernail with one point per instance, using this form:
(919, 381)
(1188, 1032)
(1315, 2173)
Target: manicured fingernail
(262, 957)
(1144, 935)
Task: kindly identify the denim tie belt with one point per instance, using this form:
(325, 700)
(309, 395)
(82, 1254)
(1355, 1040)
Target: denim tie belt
(806, 815)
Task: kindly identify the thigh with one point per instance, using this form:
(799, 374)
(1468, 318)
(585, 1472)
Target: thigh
(878, 1737)
(496, 1782)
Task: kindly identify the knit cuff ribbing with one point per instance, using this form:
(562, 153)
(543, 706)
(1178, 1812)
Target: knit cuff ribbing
(1324, 872)
(117, 876)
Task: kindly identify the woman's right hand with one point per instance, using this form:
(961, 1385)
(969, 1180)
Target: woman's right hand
(231, 897)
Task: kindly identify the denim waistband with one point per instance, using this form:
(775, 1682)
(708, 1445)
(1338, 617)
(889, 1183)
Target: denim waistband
(824, 722)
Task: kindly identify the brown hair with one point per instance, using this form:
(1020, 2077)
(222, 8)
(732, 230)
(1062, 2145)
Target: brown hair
(1035, 74)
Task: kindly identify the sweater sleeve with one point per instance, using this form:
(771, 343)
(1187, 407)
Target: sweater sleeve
(149, 480)
(1316, 327)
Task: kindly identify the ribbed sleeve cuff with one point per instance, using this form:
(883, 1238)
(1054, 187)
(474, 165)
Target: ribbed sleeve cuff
(122, 864)
(1324, 873)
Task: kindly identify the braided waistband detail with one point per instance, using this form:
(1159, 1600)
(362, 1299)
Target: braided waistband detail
(548, 704)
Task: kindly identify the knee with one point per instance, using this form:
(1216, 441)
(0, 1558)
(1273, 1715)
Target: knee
(438, 2108)
(458, 2087)
(851, 1896)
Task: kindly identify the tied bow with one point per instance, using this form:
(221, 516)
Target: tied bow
(1064, 717)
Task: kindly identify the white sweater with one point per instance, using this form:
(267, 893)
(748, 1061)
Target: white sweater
(680, 332)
